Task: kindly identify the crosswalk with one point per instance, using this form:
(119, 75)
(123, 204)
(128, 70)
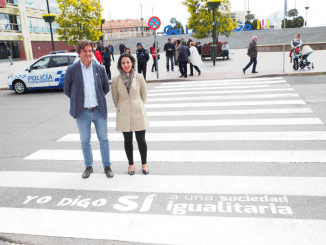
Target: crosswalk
(220, 123)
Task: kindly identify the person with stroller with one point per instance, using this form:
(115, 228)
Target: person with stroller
(296, 44)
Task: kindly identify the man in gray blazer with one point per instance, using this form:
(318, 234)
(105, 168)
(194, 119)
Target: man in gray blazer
(86, 84)
(252, 53)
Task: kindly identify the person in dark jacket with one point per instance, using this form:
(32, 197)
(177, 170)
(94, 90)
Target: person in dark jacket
(142, 58)
(86, 84)
(169, 48)
(9, 52)
(198, 46)
(111, 50)
(252, 53)
(122, 48)
(107, 61)
(183, 59)
(188, 42)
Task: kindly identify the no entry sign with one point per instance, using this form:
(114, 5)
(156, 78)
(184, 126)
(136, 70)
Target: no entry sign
(154, 23)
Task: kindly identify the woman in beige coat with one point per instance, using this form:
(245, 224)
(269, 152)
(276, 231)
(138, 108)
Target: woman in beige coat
(129, 95)
(176, 52)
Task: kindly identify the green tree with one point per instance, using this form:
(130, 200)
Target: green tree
(79, 20)
(177, 25)
(201, 19)
(292, 13)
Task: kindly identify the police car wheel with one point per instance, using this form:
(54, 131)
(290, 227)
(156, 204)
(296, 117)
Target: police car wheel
(20, 87)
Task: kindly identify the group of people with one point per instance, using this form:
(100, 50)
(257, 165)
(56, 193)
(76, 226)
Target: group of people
(86, 84)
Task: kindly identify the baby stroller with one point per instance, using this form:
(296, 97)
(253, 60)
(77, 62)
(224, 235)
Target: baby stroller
(300, 58)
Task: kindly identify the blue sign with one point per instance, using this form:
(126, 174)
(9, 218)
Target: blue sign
(168, 30)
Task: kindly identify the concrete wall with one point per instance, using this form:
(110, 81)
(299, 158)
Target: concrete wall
(238, 40)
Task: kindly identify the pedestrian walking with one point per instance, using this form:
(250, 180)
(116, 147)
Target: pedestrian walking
(111, 50)
(86, 84)
(225, 50)
(9, 52)
(176, 52)
(296, 48)
(252, 53)
(188, 42)
(199, 46)
(129, 95)
(107, 61)
(183, 59)
(128, 51)
(153, 52)
(169, 48)
(142, 59)
(122, 48)
(195, 59)
(98, 55)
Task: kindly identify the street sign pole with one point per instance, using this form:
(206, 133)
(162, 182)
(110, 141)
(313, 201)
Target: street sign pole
(156, 56)
(154, 23)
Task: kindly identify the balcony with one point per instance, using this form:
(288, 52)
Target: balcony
(10, 27)
(36, 29)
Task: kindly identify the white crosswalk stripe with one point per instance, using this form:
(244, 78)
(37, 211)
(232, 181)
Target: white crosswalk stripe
(225, 112)
(257, 111)
(214, 136)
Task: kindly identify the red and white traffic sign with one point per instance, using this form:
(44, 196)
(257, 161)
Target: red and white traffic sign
(154, 23)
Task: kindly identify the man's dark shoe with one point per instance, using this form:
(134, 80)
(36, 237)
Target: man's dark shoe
(255, 72)
(181, 76)
(87, 172)
(244, 71)
(108, 172)
(190, 75)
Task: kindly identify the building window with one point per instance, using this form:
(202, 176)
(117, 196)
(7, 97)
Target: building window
(40, 26)
(13, 2)
(9, 22)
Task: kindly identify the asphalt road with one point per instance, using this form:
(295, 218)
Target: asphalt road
(203, 179)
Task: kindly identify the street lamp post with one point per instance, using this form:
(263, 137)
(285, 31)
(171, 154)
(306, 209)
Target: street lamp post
(142, 22)
(47, 3)
(306, 15)
(214, 4)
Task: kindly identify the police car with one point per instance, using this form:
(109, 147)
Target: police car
(47, 72)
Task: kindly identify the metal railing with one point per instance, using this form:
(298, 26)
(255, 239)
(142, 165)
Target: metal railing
(37, 29)
(123, 35)
(10, 27)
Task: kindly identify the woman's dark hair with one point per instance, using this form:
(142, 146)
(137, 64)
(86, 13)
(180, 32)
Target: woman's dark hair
(107, 49)
(156, 44)
(178, 41)
(132, 59)
(99, 48)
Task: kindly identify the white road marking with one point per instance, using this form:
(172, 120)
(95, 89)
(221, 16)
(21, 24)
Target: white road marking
(224, 92)
(251, 185)
(222, 81)
(228, 97)
(213, 136)
(224, 112)
(217, 88)
(162, 229)
(285, 156)
(232, 122)
(236, 103)
(214, 83)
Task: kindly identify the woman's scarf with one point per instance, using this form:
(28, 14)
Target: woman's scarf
(127, 78)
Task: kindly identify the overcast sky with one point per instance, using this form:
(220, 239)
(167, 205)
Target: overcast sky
(167, 9)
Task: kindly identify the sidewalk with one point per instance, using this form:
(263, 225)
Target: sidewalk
(269, 64)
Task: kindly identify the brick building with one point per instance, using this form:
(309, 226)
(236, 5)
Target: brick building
(23, 29)
(120, 29)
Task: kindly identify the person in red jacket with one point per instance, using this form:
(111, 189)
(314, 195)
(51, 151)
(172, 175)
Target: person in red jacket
(98, 55)
(152, 51)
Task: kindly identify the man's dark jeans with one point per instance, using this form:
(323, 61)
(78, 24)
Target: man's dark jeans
(167, 62)
(252, 61)
(183, 68)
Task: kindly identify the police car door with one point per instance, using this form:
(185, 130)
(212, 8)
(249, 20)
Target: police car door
(37, 75)
(58, 68)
